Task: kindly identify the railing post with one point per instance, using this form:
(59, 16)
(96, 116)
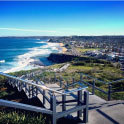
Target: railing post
(29, 91)
(93, 87)
(53, 108)
(73, 81)
(36, 88)
(27, 76)
(79, 93)
(25, 88)
(67, 83)
(63, 102)
(32, 91)
(13, 84)
(17, 84)
(60, 81)
(44, 97)
(81, 77)
(19, 87)
(109, 91)
(54, 77)
(86, 102)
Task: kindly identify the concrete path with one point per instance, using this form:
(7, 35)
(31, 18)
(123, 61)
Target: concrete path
(111, 113)
(100, 110)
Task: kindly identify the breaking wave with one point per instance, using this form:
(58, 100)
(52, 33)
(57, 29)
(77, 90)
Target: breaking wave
(27, 60)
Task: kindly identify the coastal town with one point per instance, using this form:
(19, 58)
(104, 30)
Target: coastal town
(110, 48)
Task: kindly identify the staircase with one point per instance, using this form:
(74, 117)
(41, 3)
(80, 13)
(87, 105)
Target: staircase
(100, 110)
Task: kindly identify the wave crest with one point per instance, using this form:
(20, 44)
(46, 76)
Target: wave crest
(27, 60)
(2, 61)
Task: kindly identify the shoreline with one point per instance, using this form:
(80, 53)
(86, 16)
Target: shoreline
(30, 63)
(64, 49)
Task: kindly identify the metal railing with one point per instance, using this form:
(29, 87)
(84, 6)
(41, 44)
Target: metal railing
(29, 86)
(41, 85)
(109, 90)
(94, 87)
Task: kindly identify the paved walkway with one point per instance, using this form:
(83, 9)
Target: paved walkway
(100, 110)
(109, 113)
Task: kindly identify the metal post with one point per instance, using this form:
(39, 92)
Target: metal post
(63, 102)
(13, 84)
(81, 77)
(54, 78)
(9, 81)
(86, 102)
(36, 89)
(19, 86)
(25, 88)
(29, 91)
(53, 108)
(28, 76)
(79, 113)
(60, 80)
(32, 91)
(93, 87)
(109, 92)
(44, 97)
(73, 81)
(67, 84)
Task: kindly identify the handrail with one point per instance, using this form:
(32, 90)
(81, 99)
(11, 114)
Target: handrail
(116, 81)
(75, 90)
(41, 86)
(109, 82)
(95, 78)
(30, 83)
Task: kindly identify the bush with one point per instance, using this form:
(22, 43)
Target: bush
(14, 117)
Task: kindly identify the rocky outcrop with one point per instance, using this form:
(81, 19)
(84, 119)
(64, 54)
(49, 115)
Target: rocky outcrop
(61, 58)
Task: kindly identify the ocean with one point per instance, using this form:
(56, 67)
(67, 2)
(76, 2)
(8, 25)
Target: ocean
(23, 54)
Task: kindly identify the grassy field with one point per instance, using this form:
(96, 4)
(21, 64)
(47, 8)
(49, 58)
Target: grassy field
(101, 70)
(82, 50)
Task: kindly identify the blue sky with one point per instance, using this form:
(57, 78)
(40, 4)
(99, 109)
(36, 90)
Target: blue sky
(61, 18)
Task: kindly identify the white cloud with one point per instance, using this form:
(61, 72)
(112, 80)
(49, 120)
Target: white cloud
(27, 30)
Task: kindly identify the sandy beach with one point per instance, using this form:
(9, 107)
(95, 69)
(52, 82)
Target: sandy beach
(63, 48)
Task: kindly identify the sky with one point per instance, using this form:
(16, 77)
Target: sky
(61, 18)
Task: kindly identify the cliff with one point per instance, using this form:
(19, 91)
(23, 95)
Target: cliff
(61, 58)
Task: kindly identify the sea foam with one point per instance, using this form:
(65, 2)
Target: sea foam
(24, 62)
(2, 61)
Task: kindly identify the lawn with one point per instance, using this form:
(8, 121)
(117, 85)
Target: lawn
(86, 49)
(101, 70)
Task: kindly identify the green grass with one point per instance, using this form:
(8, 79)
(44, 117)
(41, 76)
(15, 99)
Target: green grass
(100, 69)
(23, 72)
(86, 49)
(14, 117)
(3, 88)
(55, 66)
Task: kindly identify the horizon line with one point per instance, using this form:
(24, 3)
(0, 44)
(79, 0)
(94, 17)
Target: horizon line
(59, 35)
